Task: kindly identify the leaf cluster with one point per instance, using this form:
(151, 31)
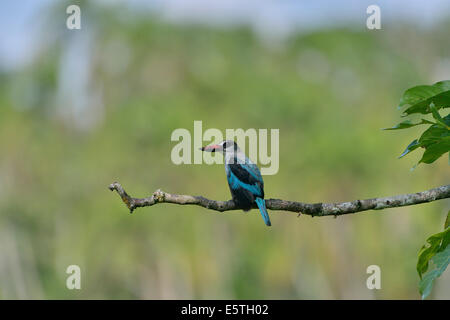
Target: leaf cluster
(436, 253)
(431, 101)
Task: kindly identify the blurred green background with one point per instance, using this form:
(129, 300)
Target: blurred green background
(99, 104)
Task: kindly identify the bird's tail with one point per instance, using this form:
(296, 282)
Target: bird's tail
(262, 208)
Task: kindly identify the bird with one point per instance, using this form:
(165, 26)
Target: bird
(244, 178)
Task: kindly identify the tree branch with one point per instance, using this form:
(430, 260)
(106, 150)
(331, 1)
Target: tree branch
(314, 209)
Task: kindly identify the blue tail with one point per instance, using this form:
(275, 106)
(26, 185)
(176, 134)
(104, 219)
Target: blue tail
(262, 208)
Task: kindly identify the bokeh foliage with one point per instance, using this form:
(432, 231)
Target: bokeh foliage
(99, 104)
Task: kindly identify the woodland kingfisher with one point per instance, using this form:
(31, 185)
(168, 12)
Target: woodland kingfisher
(244, 178)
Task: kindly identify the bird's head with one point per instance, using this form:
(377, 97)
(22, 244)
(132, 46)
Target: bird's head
(224, 146)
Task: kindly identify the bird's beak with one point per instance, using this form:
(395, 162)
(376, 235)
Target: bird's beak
(212, 148)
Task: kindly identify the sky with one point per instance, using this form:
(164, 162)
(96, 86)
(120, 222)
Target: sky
(19, 34)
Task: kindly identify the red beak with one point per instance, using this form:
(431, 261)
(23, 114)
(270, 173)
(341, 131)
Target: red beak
(212, 148)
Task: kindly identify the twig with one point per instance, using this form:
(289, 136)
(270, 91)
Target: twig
(314, 209)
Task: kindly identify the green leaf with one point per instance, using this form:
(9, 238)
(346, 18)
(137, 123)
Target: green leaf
(428, 251)
(435, 253)
(438, 117)
(435, 150)
(408, 124)
(440, 261)
(428, 99)
(419, 98)
(411, 147)
(447, 221)
(435, 133)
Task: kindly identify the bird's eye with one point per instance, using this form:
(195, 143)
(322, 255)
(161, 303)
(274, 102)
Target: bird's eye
(225, 144)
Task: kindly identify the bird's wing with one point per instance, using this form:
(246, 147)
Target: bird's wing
(253, 170)
(246, 176)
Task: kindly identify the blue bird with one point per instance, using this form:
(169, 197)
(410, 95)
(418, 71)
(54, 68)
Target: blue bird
(244, 179)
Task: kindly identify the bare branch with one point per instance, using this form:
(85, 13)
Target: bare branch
(314, 209)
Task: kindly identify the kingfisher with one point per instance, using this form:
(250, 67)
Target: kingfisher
(244, 178)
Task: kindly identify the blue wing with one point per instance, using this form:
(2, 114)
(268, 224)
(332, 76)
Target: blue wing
(253, 170)
(246, 176)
